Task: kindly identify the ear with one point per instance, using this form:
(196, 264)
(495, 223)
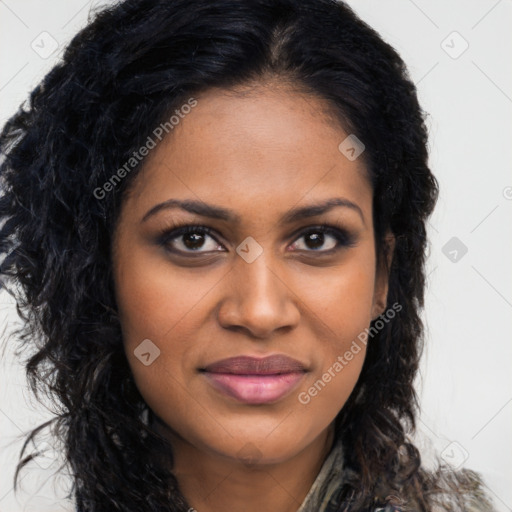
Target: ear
(380, 294)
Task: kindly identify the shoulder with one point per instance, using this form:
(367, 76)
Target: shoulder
(442, 490)
(450, 490)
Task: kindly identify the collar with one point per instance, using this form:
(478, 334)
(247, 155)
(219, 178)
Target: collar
(329, 480)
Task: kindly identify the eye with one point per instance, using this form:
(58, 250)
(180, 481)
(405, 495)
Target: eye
(189, 239)
(324, 239)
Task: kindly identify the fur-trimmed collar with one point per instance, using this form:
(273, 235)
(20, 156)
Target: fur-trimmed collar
(454, 491)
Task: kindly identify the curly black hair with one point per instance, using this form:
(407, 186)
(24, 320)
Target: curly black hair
(121, 76)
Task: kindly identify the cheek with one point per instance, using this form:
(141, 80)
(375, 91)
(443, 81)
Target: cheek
(342, 303)
(157, 303)
(346, 299)
(339, 356)
(341, 299)
(154, 298)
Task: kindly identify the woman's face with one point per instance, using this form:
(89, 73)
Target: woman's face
(265, 281)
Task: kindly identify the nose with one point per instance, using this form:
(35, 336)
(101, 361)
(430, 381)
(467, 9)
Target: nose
(258, 299)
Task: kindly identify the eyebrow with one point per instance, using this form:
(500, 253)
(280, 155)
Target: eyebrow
(217, 212)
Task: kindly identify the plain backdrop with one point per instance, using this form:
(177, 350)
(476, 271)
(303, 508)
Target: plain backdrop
(459, 55)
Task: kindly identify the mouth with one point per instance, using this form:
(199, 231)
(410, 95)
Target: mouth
(253, 380)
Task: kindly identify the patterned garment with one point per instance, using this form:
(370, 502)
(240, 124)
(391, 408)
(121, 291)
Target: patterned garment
(326, 483)
(326, 489)
(324, 493)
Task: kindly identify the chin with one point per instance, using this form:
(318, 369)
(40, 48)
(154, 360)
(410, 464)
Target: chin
(260, 448)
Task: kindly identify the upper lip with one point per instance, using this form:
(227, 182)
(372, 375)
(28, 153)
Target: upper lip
(247, 365)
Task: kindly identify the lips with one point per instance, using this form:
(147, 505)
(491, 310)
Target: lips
(253, 380)
(246, 365)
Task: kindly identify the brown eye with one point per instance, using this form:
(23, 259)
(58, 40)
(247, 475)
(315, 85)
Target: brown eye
(190, 239)
(324, 238)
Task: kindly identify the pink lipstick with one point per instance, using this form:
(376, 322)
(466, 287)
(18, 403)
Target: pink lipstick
(255, 380)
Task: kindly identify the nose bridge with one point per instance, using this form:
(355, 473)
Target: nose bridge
(254, 268)
(257, 280)
(259, 299)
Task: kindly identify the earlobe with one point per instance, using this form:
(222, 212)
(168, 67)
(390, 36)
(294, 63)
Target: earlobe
(379, 304)
(378, 309)
(382, 276)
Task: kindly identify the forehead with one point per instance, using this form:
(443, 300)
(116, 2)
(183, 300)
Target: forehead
(255, 150)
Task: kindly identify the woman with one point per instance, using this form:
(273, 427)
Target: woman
(215, 215)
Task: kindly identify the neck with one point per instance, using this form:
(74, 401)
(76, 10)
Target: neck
(211, 482)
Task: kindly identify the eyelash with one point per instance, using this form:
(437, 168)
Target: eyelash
(343, 238)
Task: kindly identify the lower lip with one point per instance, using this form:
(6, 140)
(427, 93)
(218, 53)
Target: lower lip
(255, 389)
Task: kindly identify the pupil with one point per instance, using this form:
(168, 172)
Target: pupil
(318, 237)
(195, 243)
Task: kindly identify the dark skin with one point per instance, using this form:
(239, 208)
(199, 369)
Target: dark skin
(260, 155)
